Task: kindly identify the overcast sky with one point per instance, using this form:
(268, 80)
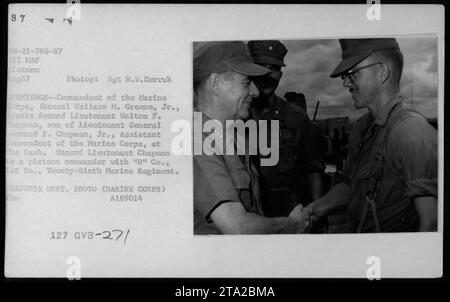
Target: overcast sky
(310, 62)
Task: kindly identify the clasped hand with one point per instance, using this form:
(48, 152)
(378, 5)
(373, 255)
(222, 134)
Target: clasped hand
(303, 218)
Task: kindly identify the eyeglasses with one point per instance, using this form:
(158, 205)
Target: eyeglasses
(351, 73)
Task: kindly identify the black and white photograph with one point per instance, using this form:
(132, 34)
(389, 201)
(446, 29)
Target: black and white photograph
(357, 126)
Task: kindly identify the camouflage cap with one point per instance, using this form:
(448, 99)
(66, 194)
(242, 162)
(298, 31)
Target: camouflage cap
(356, 50)
(267, 52)
(218, 57)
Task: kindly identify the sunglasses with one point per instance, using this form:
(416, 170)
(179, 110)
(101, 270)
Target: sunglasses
(351, 72)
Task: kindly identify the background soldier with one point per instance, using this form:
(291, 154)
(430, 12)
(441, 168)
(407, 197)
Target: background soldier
(297, 99)
(297, 147)
(319, 139)
(390, 179)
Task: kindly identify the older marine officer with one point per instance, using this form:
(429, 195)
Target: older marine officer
(226, 187)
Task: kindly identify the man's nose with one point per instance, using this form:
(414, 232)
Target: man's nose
(254, 92)
(276, 74)
(347, 82)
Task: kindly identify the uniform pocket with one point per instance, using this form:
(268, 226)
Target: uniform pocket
(364, 173)
(287, 158)
(287, 149)
(241, 179)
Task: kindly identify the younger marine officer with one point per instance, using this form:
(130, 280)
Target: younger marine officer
(390, 179)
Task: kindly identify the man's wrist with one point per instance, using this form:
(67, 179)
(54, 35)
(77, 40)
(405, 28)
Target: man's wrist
(295, 225)
(316, 195)
(320, 208)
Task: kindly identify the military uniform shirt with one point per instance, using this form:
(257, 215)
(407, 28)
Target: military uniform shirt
(409, 171)
(219, 179)
(298, 150)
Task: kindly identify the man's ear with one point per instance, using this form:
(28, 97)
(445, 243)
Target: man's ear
(385, 72)
(214, 82)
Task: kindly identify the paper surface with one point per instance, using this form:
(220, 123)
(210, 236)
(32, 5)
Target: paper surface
(92, 186)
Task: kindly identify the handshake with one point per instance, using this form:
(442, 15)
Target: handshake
(304, 217)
